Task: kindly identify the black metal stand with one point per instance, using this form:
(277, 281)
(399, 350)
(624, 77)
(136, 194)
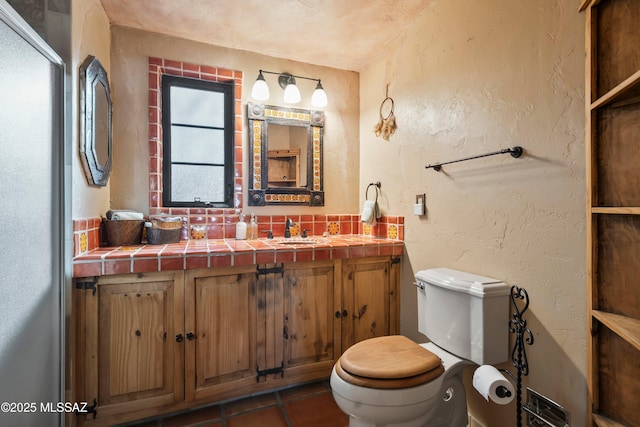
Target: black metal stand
(518, 326)
(514, 151)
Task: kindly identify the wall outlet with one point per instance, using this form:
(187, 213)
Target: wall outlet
(420, 207)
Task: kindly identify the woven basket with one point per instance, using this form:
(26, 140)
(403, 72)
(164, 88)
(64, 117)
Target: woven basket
(124, 232)
(162, 236)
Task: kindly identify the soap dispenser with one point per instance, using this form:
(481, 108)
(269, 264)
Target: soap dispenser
(241, 228)
(252, 231)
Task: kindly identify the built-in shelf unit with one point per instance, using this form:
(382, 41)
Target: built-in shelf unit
(613, 210)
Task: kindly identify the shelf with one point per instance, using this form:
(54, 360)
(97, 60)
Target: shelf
(627, 92)
(616, 211)
(625, 327)
(605, 422)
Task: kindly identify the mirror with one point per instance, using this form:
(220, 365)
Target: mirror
(96, 122)
(285, 166)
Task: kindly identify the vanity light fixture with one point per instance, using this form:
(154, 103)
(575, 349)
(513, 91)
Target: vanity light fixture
(287, 81)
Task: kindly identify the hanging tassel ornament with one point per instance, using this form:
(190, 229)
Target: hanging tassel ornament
(386, 126)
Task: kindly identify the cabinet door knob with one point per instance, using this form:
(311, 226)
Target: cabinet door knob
(190, 336)
(179, 338)
(341, 314)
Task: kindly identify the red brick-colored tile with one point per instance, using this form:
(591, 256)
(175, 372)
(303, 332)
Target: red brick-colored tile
(304, 255)
(345, 227)
(117, 266)
(284, 256)
(356, 252)
(145, 265)
(371, 250)
(338, 253)
(243, 259)
(168, 264)
(210, 413)
(321, 254)
(386, 249)
(79, 224)
(250, 404)
(220, 261)
(319, 228)
(302, 391)
(265, 257)
(197, 262)
(271, 417)
(87, 269)
(208, 69)
(316, 411)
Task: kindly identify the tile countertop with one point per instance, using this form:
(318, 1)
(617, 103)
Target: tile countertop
(191, 254)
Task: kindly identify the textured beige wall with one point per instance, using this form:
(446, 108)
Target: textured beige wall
(469, 78)
(129, 61)
(89, 36)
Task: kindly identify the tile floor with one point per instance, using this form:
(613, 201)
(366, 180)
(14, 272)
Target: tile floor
(309, 405)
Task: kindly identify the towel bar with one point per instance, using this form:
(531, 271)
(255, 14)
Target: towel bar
(514, 151)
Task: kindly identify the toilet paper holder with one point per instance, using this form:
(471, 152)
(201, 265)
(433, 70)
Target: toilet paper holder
(518, 326)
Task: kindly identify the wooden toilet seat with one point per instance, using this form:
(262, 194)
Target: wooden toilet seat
(388, 362)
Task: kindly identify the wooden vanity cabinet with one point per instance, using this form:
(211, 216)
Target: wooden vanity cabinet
(148, 344)
(311, 331)
(370, 288)
(221, 325)
(127, 353)
(259, 328)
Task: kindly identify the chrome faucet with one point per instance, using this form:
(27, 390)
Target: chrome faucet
(287, 225)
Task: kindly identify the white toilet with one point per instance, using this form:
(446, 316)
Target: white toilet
(391, 381)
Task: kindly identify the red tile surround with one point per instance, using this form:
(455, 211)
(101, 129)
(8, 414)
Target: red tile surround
(211, 253)
(159, 67)
(222, 250)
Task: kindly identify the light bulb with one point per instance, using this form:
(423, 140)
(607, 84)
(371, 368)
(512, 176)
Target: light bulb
(292, 94)
(319, 97)
(260, 90)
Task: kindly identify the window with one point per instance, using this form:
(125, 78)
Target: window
(198, 133)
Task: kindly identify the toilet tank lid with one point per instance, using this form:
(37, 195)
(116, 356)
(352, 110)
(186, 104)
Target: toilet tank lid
(461, 281)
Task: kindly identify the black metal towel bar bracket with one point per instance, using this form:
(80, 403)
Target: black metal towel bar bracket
(514, 151)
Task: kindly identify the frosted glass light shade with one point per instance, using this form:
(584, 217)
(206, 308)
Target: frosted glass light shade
(319, 97)
(292, 94)
(260, 90)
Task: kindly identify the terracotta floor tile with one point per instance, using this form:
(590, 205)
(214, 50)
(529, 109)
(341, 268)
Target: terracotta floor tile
(316, 411)
(249, 404)
(210, 413)
(302, 391)
(269, 417)
(153, 423)
(307, 405)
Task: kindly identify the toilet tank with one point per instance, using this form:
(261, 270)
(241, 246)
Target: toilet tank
(465, 314)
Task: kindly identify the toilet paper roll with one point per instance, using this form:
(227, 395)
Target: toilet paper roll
(491, 384)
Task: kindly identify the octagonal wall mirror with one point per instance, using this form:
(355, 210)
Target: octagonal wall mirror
(285, 156)
(96, 122)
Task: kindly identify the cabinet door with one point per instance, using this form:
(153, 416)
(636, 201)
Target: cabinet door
(129, 356)
(369, 298)
(220, 327)
(311, 330)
